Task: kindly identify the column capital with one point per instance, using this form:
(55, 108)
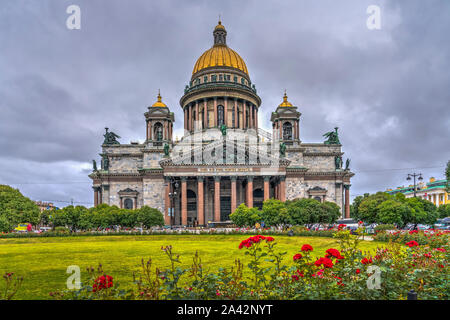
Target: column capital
(201, 179)
(183, 179)
(233, 178)
(217, 178)
(347, 186)
(282, 178)
(250, 178)
(266, 178)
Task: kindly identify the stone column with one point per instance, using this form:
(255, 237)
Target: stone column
(281, 130)
(276, 190)
(244, 115)
(233, 194)
(200, 202)
(283, 188)
(167, 203)
(135, 202)
(347, 200)
(250, 191)
(121, 203)
(185, 119)
(266, 187)
(236, 116)
(256, 117)
(184, 201)
(95, 196)
(215, 113)
(197, 116)
(250, 108)
(225, 111)
(217, 198)
(205, 114)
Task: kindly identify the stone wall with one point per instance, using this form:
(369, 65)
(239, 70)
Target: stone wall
(154, 193)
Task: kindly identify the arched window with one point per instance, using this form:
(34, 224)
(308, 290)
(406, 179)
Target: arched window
(220, 115)
(318, 199)
(287, 131)
(158, 131)
(128, 203)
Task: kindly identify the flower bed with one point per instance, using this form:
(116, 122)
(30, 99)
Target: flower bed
(344, 272)
(432, 238)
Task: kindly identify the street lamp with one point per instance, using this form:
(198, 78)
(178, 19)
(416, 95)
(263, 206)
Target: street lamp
(414, 175)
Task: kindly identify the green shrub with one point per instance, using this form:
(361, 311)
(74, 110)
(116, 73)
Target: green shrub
(383, 227)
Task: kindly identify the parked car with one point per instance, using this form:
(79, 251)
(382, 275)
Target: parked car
(45, 229)
(423, 227)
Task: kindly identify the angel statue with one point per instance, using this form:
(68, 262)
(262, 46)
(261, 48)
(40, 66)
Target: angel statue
(166, 149)
(282, 149)
(94, 164)
(223, 128)
(332, 137)
(347, 164)
(110, 137)
(338, 162)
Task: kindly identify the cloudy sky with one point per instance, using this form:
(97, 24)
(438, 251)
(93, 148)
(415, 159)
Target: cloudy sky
(388, 90)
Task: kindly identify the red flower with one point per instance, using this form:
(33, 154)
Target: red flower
(295, 277)
(334, 253)
(297, 256)
(327, 263)
(307, 247)
(341, 226)
(366, 261)
(440, 249)
(412, 243)
(102, 282)
(255, 239)
(358, 271)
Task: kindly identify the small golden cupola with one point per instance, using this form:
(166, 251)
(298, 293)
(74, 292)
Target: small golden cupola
(285, 102)
(159, 103)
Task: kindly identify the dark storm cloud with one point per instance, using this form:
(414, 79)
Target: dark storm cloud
(387, 90)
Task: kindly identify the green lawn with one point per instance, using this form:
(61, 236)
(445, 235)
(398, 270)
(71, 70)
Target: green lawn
(43, 261)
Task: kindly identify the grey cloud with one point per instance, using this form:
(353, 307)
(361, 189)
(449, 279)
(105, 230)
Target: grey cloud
(387, 90)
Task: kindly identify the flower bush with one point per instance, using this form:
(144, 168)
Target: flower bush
(432, 238)
(343, 272)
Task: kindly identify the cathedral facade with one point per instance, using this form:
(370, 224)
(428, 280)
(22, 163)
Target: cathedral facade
(224, 158)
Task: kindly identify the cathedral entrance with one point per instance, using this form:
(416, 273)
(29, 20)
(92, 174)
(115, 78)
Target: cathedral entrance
(191, 208)
(225, 208)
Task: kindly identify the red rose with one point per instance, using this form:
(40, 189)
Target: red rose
(366, 261)
(297, 256)
(326, 262)
(412, 243)
(334, 253)
(307, 247)
(358, 271)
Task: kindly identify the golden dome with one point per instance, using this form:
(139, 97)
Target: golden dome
(220, 55)
(285, 102)
(159, 103)
(219, 26)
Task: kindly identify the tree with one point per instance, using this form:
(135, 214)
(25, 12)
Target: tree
(368, 208)
(244, 216)
(354, 213)
(444, 210)
(393, 212)
(150, 217)
(16, 208)
(273, 212)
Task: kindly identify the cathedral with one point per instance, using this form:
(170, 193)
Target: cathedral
(224, 158)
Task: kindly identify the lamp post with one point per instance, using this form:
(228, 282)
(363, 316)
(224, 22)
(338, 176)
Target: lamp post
(414, 175)
(172, 195)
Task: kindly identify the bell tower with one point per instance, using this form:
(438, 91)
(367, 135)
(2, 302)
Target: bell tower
(285, 122)
(159, 121)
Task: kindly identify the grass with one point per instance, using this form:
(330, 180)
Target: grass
(43, 261)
